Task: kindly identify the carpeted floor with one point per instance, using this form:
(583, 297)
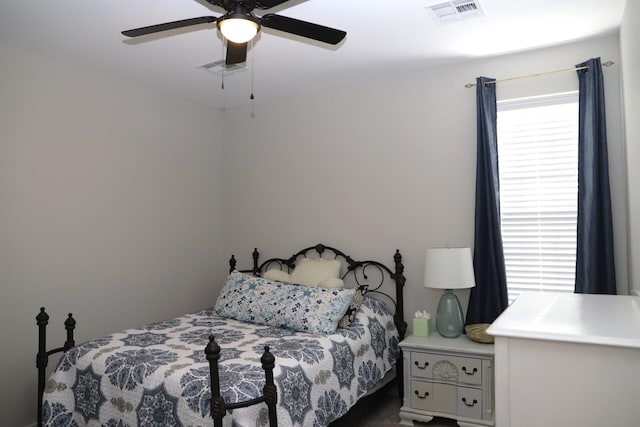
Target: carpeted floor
(382, 410)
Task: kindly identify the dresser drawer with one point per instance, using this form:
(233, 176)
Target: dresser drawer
(446, 368)
(422, 395)
(447, 398)
(470, 402)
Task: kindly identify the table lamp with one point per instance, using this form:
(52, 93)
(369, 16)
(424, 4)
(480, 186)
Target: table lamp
(449, 269)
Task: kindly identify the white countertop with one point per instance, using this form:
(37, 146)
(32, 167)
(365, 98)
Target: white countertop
(612, 320)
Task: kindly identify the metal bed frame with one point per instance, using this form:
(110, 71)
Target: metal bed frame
(218, 406)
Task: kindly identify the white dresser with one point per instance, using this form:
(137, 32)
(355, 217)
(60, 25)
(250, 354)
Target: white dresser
(568, 360)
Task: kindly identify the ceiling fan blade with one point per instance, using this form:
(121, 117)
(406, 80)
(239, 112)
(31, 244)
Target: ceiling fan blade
(236, 53)
(143, 31)
(220, 3)
(268, 4)
(303, 28)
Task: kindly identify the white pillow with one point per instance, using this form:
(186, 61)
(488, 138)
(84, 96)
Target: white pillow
(277, 275)
(310, 272)
(331, 282)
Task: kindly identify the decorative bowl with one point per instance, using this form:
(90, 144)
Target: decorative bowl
(478, 333)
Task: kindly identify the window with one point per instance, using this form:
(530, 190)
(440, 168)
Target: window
(538, 168)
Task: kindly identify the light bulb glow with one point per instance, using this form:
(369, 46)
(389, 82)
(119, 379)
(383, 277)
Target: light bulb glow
(238, 30)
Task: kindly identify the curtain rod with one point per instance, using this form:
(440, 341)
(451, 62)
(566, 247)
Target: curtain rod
(586, 67)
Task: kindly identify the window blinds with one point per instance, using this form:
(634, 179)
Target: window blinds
(538, 169)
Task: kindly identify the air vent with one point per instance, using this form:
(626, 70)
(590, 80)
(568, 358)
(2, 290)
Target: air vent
(453, 11)
(219, 67)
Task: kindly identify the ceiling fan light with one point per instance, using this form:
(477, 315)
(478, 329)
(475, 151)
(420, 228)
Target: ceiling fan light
(238, 30)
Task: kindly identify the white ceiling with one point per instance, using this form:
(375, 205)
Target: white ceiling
(383, 36)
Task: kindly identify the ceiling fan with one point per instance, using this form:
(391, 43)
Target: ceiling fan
(239, 25)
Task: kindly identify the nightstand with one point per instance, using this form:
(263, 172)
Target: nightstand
(447, 377)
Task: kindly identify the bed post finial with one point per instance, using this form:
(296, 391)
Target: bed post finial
(256, 256)
(269, 390)
(42, 317)
(69, 325)
(232, 263)
(217, 405)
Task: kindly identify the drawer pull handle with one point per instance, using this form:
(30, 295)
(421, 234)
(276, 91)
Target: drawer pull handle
(464, 368)
(421, 367)
(426, 393)
(464, 400)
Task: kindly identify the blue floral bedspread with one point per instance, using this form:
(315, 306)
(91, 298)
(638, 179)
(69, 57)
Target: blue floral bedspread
(158, 375)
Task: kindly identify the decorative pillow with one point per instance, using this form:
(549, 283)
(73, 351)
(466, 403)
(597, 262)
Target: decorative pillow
(305, 309)
(310, 272)
(332, 282)
(277, 275)
(355, 304)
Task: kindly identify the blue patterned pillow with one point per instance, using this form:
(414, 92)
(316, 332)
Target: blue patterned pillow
(302, 308)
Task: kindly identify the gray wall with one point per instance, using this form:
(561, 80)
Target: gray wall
(630, 65)
(112, 204)
(389, 164)
(110, 207)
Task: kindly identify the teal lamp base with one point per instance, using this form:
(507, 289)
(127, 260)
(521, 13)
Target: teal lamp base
(449, 319)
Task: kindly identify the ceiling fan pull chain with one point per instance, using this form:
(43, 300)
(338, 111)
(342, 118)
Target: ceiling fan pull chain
(252, 68)
(224, 43)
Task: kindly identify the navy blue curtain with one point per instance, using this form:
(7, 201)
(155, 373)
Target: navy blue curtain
(489, 297)
(595, 272)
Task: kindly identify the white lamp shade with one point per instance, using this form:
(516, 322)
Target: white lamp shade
(449, 268)
(238, 30)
